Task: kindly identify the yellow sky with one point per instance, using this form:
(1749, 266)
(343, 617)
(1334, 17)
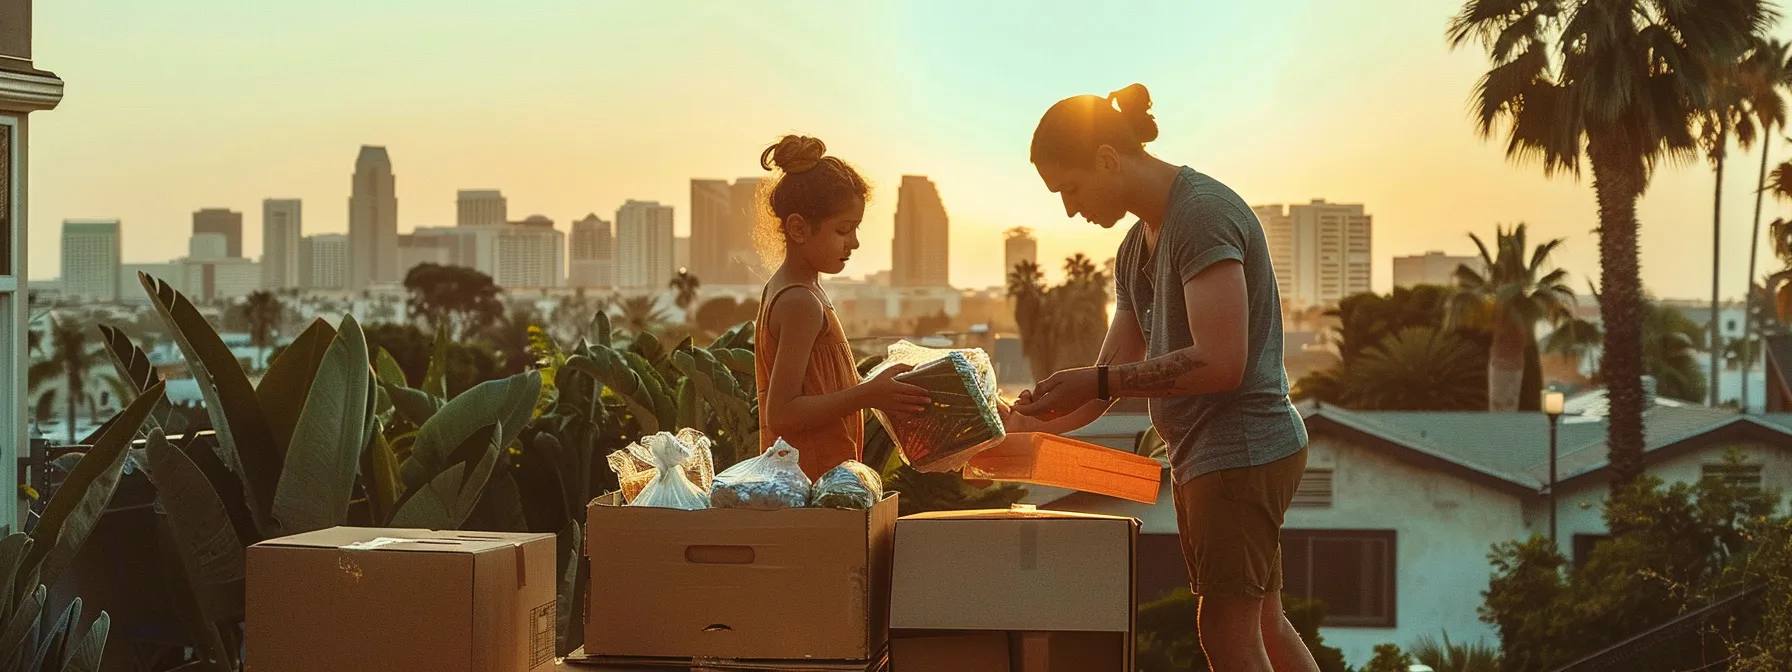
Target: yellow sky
(573, 106)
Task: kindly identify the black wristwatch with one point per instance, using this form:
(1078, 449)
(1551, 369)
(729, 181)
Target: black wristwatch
(1101, 382)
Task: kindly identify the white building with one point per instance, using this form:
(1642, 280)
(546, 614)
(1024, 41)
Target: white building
(90, 257)
(592, 253)
(530, 253)
(481, 207)
(1393, 522)
(1321, 251)
(218, 278)
(208, 246)
(327, 258)
(1432, 268)
(23, 89)
(282, 233)
(415, 250)
(644, 245)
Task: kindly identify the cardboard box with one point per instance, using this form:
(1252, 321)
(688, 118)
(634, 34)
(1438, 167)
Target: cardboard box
(959, 652)
(1018, 571)
(1048, 459)
(388, 600)
(1069, 651)
(738, 584)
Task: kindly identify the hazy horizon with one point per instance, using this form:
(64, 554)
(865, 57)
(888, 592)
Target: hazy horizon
(572, 107)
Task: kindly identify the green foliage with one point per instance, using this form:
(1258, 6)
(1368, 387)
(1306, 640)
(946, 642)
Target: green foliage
(1061, 326)
(1448, 656)
(1671, 344)
(1169, 642)
(458, 299)
(462, 365)
(1387, 344)
(1388, 658)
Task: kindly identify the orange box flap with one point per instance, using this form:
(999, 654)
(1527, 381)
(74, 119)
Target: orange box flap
(1056, 461)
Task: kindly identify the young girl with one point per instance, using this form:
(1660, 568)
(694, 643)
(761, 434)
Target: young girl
(809, 389)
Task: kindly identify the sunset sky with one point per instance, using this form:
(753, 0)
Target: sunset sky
(573, 106)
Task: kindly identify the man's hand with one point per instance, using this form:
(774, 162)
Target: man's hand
(1062, 393)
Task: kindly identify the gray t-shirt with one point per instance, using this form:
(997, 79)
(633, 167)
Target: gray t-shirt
(1254, 424)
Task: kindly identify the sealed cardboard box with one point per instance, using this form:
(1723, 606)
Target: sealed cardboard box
(391, 600)
(738, 584)
(960, 652)
(1048, 459)
(1069, 651)
(1017, 571)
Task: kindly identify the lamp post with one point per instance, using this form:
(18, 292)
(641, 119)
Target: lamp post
(1552, 406)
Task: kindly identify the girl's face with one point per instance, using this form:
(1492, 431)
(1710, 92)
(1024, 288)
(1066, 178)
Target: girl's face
(828, 245)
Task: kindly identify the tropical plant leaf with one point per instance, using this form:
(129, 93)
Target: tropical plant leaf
(612, 371)
(738, 336)
(500, 506)
(649, 348)
(12, 553)
(570, 544)
(716, 386)
(380, 467)
(319, 476)
(289, 379)
(204, 535)
(416, 406)
(87, 645)
(53, 639)
(246, 442)
(665, 407)
(435, 379)
(738, 360)
(601, 331)
(76, 506)
(447, 499)
(129, 360)
(388, 369)
(508, 402)
(23, 620)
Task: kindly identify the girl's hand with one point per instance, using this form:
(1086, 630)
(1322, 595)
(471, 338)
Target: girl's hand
(1013, 422)
(889, 395)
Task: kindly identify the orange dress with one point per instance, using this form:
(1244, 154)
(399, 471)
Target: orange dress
(831, 369)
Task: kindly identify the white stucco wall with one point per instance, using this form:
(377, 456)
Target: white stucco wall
(1582, 507)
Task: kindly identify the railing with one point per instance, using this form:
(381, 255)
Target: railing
(1625, 655)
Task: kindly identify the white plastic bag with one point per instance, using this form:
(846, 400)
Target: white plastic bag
(773, 480)
(634, 465)
(671, 488)
(963, 418)
(852, 485)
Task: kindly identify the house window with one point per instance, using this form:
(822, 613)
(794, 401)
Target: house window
(1314, 491)
(1736, 475)
(1352, 571)
(1584, 545)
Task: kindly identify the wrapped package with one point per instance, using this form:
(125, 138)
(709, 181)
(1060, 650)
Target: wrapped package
(852, 485)
(634, 465)
(671, 487)
(773, 480)
(963, 417)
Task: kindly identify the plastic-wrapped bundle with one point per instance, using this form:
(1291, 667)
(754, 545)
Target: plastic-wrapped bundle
(773, 480)
(670, 488)
(961, 420)
(634, 465)
(852, 485)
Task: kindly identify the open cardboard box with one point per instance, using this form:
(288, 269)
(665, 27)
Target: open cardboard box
(1058, 586)
(393, 600)
(1056, 461)
(738, 586)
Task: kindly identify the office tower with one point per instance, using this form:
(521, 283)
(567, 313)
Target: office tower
(328, 261)
(746, 268)
(1320, 251)
(225, 222)
(90, 259)
(418, 249)
(481, 207)
(529, 254)
(373, 220)
(920, 251)
(723, 218)
(592, 253)
(208, 246)
(1431, 268)
(1018, 245)
(282, 233)
(644, 245)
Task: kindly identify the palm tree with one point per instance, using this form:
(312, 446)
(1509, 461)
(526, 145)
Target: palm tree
(1619, 81)
(686, 285)
(640, 314)
(1740, 97)
(1515, 293)
(1026, 286)
(1418, 368)
(263, 311)
(1671, 343)
(71, 361)
(1771, 63)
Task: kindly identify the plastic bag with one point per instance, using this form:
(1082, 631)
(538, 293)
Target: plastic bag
(634, 465)
(773, 480)
(962, 420)
(852, 485)
(670, 488)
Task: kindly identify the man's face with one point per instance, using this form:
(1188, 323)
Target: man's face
(1093, 190)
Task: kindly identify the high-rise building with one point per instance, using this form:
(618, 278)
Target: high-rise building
(1320, 250)
(208, 246)
(282, 232)
(1431, 268)
(592, 253)
(213, 278)
(921, 248)
(90, 259)
(474, 247)
(681, 252)
(223, 221)
(416, 250)
(722, 220)
(743, 254)
(481, 207)
(644, 245)
(328, 260)
(373, 220)
(1018, 245)
(530, 253)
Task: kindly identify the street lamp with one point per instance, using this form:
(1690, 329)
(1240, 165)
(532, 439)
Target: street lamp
(1552, 406)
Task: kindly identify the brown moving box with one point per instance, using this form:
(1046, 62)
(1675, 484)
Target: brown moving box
(1069, 651)
(386, 600)
(1049, 459)
(959, 652)
(1021, 571)
(738, 584)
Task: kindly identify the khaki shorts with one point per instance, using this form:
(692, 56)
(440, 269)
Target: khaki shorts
(1231, 526)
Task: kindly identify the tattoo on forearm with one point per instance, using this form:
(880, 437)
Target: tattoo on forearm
(1157, 377)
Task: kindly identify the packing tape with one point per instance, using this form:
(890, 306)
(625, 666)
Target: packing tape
(371, 544)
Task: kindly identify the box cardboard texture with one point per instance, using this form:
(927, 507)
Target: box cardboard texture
(738, 584)
(1056, 461)
(1021, 572)
(391, 600)
(959, 652)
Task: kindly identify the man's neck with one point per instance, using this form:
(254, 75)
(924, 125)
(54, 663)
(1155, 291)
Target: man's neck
(1150, 196)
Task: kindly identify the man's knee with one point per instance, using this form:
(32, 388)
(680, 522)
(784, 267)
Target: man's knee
(1230, 615)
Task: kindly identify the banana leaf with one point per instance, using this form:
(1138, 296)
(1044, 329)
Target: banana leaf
(508, 403)
(446, 500)
(289, 379)
(319, 476)
(204, 536)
